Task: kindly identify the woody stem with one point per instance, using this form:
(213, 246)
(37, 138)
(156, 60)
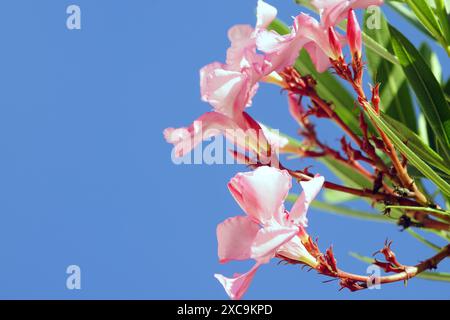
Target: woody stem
(409, 272)
(401, 170)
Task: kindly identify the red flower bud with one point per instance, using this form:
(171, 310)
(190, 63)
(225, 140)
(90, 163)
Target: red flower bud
(354, 34)
(335, 44)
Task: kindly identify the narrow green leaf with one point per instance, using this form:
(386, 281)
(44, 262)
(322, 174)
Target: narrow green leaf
(447, 87)
(344, 211)
(432, 60)
(443, 19)
(426, 16)
(404, 11)
(337, 197)
(425, 129)
(394, 92)
(416, 144)
(436, 276)
(422, 209)
(377, 48)
(427, 89)
(411, 156)
(423, 240)
(347, 174)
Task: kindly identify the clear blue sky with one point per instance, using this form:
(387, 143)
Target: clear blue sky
(87, 179)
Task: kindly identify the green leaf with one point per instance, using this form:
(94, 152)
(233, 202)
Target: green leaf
(432, 60)
(425, 131)
(377, 48)
(427, 89)
(416, 144)
(404, 11)
(337, 197)
(436, 276)
(422, 209)
(347, 174)
(394, 91)
(413, 159)
(443, 18)
(447, 87)
(426, 16)
(344, 211)
(423, 240)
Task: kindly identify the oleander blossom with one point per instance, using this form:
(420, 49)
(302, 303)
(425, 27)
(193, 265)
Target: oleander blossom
(310, 34)
(229, 89)
(268, 229)
(333, 12)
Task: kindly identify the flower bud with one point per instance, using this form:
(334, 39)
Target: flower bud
(354, 34)
(336, 48)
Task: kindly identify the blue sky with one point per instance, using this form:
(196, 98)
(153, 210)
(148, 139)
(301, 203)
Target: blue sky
(87, 179)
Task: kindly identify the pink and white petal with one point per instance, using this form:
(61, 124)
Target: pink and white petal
(242, 41)
(318, 57)
(265, 14)
(208, 125)
(323, 4)
(282, 51)
(269, 240)
(364, 4)
(269, 41)
(274, 138)
(222, 88)
(235, 237)
(261, 193)
(295, 250)
(238, 285)
(334, 11)
(300, 208)
(309, 28)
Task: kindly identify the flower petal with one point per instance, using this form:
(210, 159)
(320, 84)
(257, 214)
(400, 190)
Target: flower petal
(269, 239)
(334, 11)
(318, 57)
(228, 91)
(282, 51)
(208, 125)
(265, 14)
(295, 250)
(242, 43)
(238, 285)
(261, 193)
(235, 237)
(310, 190)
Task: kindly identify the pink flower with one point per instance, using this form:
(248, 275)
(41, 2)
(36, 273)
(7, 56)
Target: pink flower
(332, 12)
(268, 229)
(229, 88)
(226, 90)
(308, 33)
(243, 131)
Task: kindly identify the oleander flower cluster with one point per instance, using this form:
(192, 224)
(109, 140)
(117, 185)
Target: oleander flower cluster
(268, 230)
